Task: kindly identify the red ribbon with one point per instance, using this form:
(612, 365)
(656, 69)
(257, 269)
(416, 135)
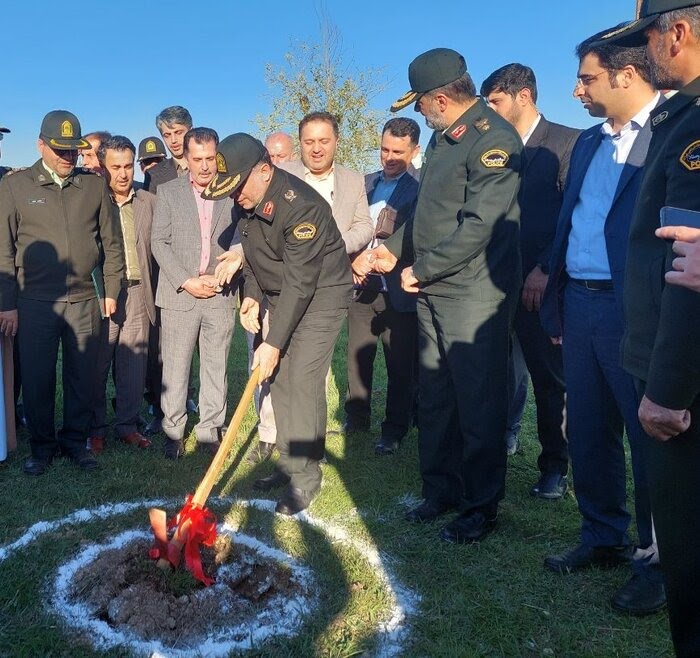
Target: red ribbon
(198, 525)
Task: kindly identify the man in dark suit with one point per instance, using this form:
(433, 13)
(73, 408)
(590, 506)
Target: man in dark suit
(380, 309)
(124, 343)
(582, 309)
(512, 92)
(172, 123)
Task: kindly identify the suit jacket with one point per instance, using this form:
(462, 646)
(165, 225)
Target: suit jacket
(164, 171)
(543, 176)
(402, 202)
(617, 223)
(350, 209)
(176, 244)
(144, 205)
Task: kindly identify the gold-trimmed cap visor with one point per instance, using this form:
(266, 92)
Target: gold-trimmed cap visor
(222, 186)
(407, 99)
(66, 144)
(629, 34)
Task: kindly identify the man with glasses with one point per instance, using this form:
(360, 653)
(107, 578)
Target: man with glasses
(58, 227)
(582, 311)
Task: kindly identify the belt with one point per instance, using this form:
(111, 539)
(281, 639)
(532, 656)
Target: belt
(130, 283)
(594, 284)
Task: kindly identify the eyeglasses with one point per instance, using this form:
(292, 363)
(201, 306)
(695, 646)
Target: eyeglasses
(585, 80)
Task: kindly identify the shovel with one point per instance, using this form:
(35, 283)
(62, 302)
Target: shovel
(195, 525)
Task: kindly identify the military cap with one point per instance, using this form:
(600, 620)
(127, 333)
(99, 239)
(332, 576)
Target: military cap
(235, 158)
(431, 70)
(633, 33)
(60, 129)
(150, 147)
(4, 130)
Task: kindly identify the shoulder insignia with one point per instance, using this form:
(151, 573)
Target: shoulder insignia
(690, 158)
(662, 116)
(304, 231)
(290, 195)
(268, 208)
(12, 170)
(482, 125)
(494, 158)
(458, 131)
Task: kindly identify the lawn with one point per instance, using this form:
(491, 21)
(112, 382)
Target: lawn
(491, 599)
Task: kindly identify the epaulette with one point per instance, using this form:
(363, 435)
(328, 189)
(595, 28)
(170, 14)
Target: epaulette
(482, 125)
(8, 171)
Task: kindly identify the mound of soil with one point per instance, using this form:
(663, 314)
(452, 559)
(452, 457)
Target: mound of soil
(125, 588)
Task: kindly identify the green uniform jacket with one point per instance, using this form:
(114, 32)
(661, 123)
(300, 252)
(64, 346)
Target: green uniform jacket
(464, 238)
(662, 322)
(295, 255)
(52, 238)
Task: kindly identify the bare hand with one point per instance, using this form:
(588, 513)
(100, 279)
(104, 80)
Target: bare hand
(267, 357)
(362, 265)
(533, 289)
(9, 322)
(250, 315)
(382, 260)
(409, 283)
(687, 245)
(230, 262)
(358, 280)
(660, 422)
(110, 306)
(201, 287)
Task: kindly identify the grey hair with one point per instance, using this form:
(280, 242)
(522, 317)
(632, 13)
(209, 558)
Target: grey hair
(172, 115)
(691, 14)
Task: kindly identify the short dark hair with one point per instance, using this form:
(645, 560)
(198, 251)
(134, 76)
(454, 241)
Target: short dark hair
(614, 57)
(511, 79)
(102, 135)
(201, 136)
(115, 143)
(460, 90)
(172, 115)
(320, 116)
(403, 127)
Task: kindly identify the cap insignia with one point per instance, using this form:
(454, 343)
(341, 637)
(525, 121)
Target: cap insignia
(494, 158)
(150, 146)
(221, 163)
(304, 231)
(66, 129)
(690, 158)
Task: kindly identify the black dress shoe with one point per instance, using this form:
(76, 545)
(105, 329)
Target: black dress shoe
(385, 447)
(427, 511)
(261, 452)
(584, 557)
(83, 459)
(294, 501)
(550, 486)
(274, 481)
(639, 596)
(469, 528)
(174, 449)
(36, 465)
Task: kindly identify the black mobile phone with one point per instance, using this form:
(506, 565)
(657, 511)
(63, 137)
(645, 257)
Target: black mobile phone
(670, 216)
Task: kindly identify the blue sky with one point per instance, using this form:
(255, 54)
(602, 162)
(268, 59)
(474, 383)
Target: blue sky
(117, 64)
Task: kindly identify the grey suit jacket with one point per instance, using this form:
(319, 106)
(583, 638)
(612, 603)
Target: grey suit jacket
(176, 244)
(144, 205)
(350, 209)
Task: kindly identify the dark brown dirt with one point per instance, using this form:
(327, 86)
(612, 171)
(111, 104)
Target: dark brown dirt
(126, 589)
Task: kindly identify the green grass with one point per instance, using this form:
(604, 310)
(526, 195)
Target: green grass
(492, 599)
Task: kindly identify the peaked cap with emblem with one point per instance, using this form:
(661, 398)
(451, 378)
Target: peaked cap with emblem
(151, 147)
(236, 155)
(60, 129)
(633, 33)
(431, 70)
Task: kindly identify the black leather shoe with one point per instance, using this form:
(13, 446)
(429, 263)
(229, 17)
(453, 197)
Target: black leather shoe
(274, 481)
(639, 596)
(174, 449)
(469, 528)
(83, 459)
(261, 452)
(294, 501)
(427, 511)
(36, 465)
(550, 486)
(385, 447)
(584, 557)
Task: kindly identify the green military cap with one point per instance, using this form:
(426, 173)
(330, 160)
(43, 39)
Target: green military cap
(633, 33)
(60, 129)
(235, 157)
(431, 70)
(151, 147)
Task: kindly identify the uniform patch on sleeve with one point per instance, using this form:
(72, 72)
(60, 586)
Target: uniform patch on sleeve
(494, 158)
(690, 158)
(304, 231)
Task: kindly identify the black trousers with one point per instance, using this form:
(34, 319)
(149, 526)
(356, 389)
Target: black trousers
(298, 393)
(43, 325)
(371, 317)
(545, 365)
(463, 406)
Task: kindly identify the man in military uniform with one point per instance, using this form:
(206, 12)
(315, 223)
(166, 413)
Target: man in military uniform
(296, 261)
(663, 322)
(463, 242)
(58, 228)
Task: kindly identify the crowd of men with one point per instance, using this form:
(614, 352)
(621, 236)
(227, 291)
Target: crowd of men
(520, 247)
